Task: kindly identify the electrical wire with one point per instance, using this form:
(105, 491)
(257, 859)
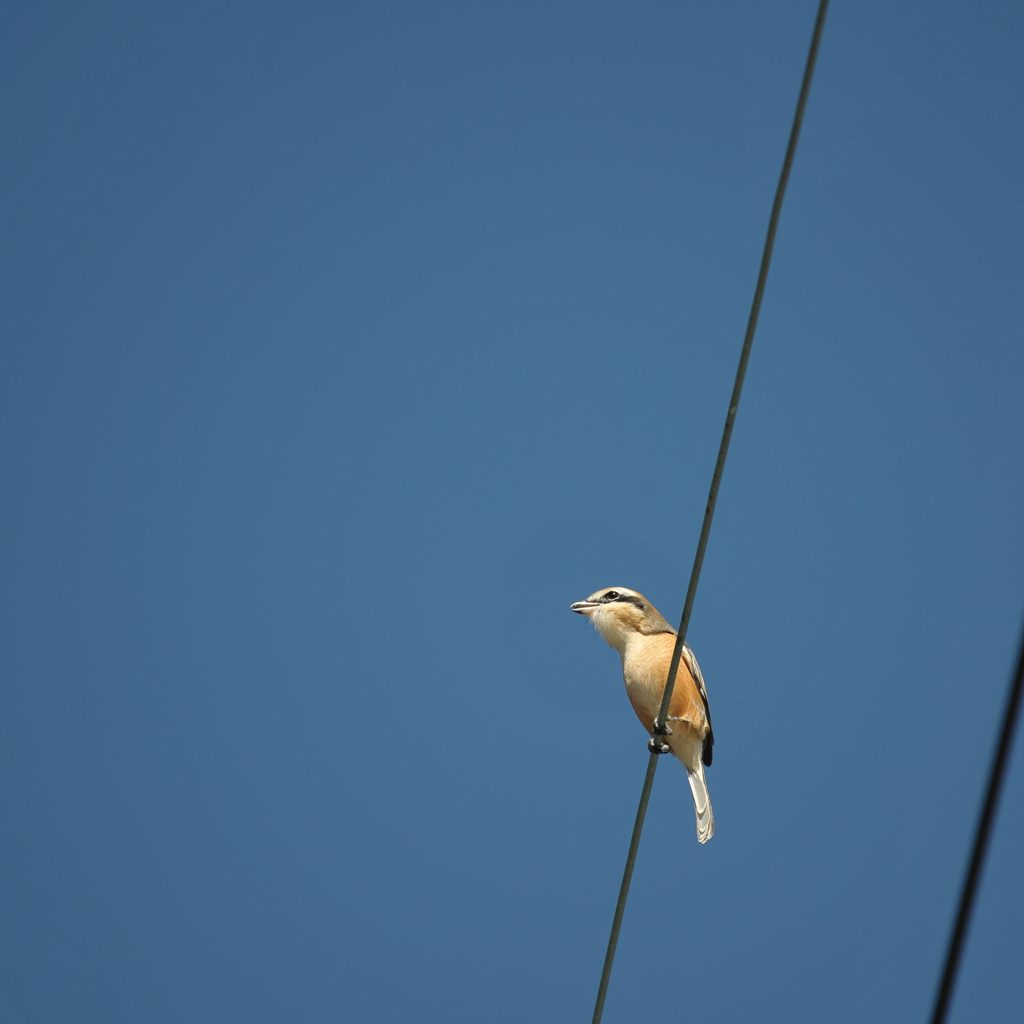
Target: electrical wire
(723, 450)
(981, 838)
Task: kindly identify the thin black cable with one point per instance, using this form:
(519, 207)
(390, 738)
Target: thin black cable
(981, 838)
(709, 511)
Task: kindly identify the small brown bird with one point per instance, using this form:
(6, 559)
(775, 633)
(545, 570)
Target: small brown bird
(644, 639)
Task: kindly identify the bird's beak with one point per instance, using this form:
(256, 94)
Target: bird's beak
(584, 607)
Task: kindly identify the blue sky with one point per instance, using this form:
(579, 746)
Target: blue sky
(345, 346)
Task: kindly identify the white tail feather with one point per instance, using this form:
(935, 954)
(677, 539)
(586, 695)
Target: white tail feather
(701, 803)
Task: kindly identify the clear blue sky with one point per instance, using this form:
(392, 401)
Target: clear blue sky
(344, 345)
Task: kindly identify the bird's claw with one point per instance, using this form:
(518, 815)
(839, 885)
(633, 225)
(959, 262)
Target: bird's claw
(656, 745)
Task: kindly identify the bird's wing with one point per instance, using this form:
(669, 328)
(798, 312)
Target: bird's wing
(698, 677)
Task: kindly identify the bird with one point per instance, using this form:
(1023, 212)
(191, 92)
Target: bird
(645, 641)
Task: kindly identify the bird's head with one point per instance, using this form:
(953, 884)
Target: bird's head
(619, 613)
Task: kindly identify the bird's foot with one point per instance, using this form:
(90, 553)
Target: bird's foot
(656, 745)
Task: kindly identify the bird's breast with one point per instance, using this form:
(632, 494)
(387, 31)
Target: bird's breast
(644, 670)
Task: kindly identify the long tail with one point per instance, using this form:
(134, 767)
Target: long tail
(701, 803)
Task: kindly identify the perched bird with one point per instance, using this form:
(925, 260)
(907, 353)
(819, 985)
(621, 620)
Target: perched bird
(644, 639)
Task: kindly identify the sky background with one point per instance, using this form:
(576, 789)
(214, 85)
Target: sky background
(344, 345)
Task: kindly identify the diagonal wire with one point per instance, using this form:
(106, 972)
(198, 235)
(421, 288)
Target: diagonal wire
(981, 837)
(716, 479)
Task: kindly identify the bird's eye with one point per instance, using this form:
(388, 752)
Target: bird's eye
(612, 595)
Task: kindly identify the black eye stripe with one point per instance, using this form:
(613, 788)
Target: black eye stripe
(614, 595)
